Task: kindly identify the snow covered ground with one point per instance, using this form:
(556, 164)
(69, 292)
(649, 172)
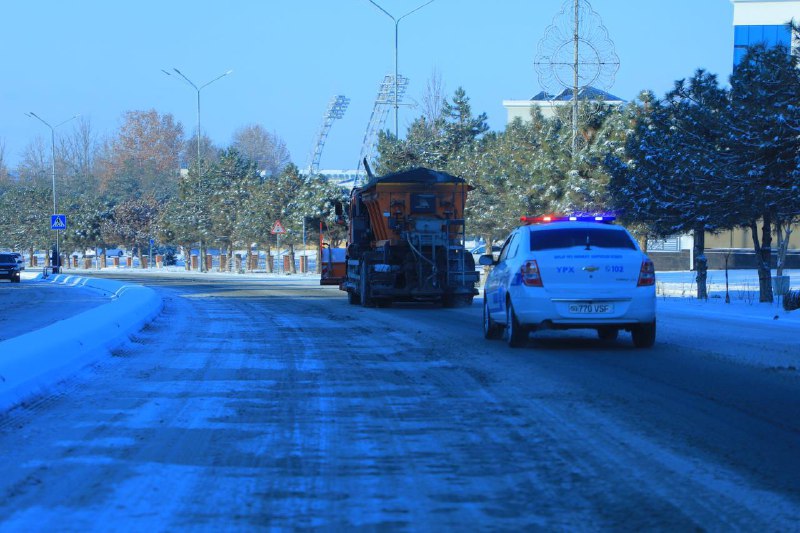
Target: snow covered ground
(40, 357)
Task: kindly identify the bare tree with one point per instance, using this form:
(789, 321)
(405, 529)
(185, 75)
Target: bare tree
(4, 177)
(434, 98)
(266, 149)
(209, 152)
(144, 156)
(78, 149)
(35, 164)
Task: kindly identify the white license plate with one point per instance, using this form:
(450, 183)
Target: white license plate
(591, 309)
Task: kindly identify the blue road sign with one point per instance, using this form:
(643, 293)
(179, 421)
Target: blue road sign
(58, 222)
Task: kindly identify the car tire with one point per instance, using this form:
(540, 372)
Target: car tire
(644, 335)
(516, 335)
(607, 333)
(491, 329)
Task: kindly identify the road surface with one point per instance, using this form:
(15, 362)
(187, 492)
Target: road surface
(253, 404)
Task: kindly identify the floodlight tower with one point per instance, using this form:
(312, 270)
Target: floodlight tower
(390, 92)
(336, 108)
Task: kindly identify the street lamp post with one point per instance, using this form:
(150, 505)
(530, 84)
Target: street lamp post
(396, 81)
(53, 154)
(199, 168)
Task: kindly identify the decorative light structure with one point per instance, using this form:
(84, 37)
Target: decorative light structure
(576, 52)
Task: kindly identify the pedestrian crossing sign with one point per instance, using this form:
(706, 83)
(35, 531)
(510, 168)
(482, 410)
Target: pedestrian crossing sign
(58, 222)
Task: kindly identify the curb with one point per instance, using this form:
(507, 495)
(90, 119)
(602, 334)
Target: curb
(34, 361)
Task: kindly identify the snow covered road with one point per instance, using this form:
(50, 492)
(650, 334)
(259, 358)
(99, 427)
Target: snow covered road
(273, 403)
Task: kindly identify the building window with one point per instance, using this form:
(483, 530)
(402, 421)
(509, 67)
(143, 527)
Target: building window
(745, 36)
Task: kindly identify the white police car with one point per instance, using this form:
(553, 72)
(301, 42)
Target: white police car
(570, 272)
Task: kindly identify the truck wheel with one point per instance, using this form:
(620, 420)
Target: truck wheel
(644, 335)
(465, 300)
(366, 300)
(353, 298)
(457, 300)
(516, 335)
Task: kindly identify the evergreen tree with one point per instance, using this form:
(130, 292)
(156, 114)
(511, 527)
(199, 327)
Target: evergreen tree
(764, 145)
(674, 179)
(231, 180)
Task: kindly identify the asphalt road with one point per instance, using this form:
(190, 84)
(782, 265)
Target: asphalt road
(275, 404)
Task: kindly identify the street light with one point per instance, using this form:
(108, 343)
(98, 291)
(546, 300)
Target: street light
(53, 149)
(396, 83)
(199, 168)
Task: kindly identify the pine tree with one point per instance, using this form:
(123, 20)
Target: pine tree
(764, 145)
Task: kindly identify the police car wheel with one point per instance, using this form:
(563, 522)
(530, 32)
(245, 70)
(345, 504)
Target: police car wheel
(644, 335)
(516, 335)
(491, 329)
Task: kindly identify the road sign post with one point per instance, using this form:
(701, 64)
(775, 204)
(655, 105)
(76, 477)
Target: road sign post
(277, 230)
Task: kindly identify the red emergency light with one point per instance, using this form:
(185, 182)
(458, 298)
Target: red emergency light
(544, 219)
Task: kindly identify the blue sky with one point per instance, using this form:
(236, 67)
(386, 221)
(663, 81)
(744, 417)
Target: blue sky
(102, 58)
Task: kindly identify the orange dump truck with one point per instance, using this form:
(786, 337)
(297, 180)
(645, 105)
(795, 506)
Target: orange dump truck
(406, 240)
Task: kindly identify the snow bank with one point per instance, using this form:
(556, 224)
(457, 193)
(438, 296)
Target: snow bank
(34, 361)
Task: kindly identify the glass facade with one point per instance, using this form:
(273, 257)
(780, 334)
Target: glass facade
(744, 36)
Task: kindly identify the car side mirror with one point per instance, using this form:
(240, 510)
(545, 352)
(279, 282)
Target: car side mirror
(486, 260)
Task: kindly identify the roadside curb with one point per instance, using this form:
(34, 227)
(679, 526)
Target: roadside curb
(35, 360)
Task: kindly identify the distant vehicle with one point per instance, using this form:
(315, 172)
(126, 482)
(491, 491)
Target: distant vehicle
(405, 240)
(478, 251)
(9, 268)
(570, 272)
(20, 259)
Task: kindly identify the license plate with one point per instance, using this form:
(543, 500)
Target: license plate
(591, 309)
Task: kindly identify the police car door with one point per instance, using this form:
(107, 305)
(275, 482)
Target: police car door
(499, 279)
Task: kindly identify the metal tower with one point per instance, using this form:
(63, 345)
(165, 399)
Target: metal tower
(336, 109)
(383, 102)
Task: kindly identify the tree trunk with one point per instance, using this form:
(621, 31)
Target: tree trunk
(270, 265)
(292, 267)
(700, 263)
(642, 240)
(784, 234)
(764, 257)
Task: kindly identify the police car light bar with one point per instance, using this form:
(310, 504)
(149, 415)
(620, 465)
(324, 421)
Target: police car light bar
(571, 218)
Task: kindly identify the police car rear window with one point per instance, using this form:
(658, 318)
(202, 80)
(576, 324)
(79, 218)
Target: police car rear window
(550, 239)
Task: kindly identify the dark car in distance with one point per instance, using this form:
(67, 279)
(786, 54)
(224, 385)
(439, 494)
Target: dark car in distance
(9, 268)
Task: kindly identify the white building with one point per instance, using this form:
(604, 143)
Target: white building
(343, 178)
(548, 104)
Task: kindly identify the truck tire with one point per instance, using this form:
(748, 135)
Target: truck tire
(353, 298)
(457, 300)
(363, 284)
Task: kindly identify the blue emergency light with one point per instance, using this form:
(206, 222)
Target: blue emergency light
(544, 219)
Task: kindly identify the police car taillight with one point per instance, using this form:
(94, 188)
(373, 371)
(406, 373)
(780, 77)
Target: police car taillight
(647, 274)
(530, 274)
(562, 218)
